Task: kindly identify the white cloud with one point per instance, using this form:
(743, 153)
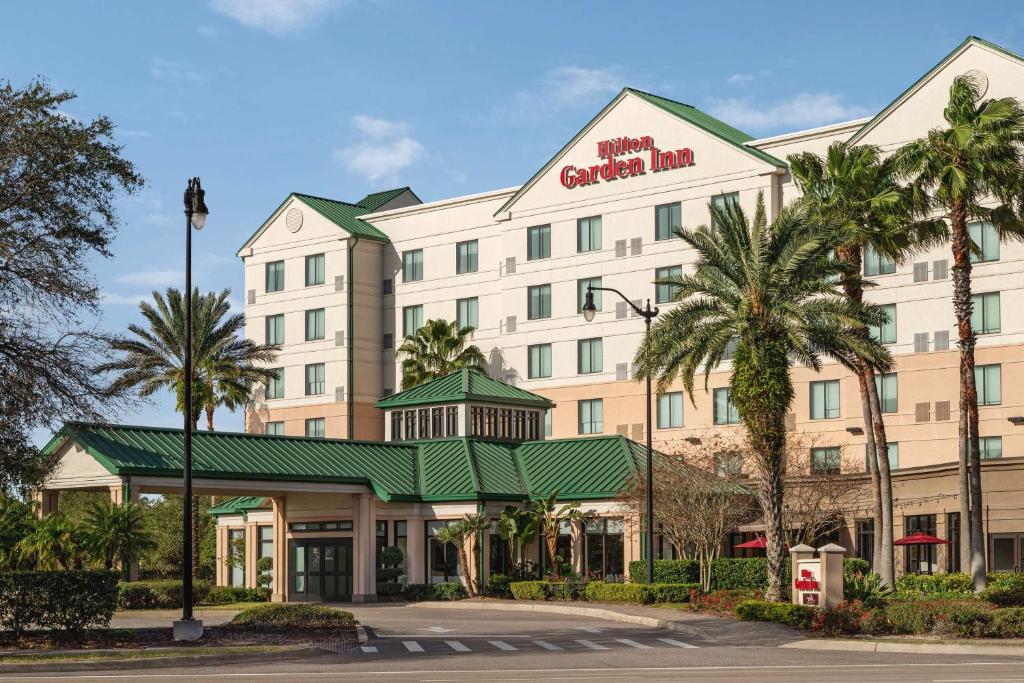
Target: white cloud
(277, 17)
(177, 73)
(387, 147)
(154, 279)
(563, 87)
(740, 79)
(803, 110)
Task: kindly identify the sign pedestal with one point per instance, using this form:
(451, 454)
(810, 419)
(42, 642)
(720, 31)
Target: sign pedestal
(817, 575)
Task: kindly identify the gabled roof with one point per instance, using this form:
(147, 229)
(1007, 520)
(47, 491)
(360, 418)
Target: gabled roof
(916, 85)
(456, 469)
(375, 200)
(685, 112)
(237, 505)
(464, 385)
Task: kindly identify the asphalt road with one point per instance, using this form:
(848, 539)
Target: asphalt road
(442, 645)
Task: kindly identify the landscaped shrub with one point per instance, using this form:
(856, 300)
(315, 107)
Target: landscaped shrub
(875, 622)
(417, 592)
(930, 585)
(528, 590)
(222, 595)
(69, 601)
(1007, 623)
(775, 612)
(1005, 590)
(856, 565)
(599, 591)
(666, 571)
(672, 592)
(868, 589)
(453, 590)
(1006, 581)
(726, 572)
(964, 620)
(497, 586)
(391, 559)
(843, 619)
(158, 594)
(273, 617)
(723, 601)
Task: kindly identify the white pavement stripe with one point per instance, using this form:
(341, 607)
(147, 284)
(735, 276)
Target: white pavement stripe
(588, 629)
(591, 644)
(677, 643)
(457, 646)
(546, 645)
(412, 646)
(633, 643)
(502, 645)
(370, 649)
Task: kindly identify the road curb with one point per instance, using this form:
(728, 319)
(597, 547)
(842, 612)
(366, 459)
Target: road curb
(302, 652)
(361, 634)
(907, 647)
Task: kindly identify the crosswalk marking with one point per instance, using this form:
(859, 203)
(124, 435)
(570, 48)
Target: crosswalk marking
(412, 646)
(370, 649)
(633, 643)
(677, 643)
(591, 644)
(588, 629)
(502, 645)
(546, 645)
(456, 645)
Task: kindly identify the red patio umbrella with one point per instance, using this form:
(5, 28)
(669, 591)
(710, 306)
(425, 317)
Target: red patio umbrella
(758, 542)
(920, 538)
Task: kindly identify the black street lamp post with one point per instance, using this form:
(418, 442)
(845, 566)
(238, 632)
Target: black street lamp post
(648, 314)
(195, 217)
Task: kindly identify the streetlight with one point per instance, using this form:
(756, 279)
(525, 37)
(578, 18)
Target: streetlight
(648, 314)
(195, 217)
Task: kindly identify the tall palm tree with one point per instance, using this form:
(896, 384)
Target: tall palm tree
(853, 188)
(462, 535)
(550, 515)
(972, 170)
(116, 535)
(771, 288)
(225, 366)
(437, 349)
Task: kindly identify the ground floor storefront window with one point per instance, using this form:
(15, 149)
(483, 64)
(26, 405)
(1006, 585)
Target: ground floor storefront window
(500, 558)
(920, 558)
(953, 536)
(563, 548)
(604, 549)
(866, 540)
(442, 558)
(1006, 552)
(236, 548)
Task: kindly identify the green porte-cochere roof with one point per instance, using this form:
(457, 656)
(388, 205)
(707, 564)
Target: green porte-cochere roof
(237, 505)
(464, 385)
(456, 469)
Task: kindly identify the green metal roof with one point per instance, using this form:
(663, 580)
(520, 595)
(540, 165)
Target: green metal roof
(375, 200)
(237, 505)
(456, 469)
(344, 215)
(464, 385)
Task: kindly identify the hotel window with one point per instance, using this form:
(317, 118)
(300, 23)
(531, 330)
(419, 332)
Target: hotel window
(725, 412)
(538, 300)
(442, 558)
(670, 410)
(520, 425)
(866, 539)
(604, 549)
(437, 422)
(236, 551)
(667, 218)
(412, 320)
(315, 383)
(538, 242)
(986, 239)
(985, 313)
(476, 421)
(533, 425)
(591, 416)
(505, 423)
(452, 420)
(730, 349)
(314, 270)
(581, 292)
(989, 382)
(275, 276)
(548, 419)
(274, 429)
(990, 447)
(664, 293)
(589, 357)
(315, 324)
(467, 313)
(825, 460)
(424, 423)
(410, 425)
(588, 234)
(490, 422)
(396, 425)
(563, 546)
(539, 364)
(275, 329)
(953, 536)
(894, 456)
(877, 264)
(316, 427)
(920, 558)
(886, 332)
(825, 399)
(887, 388)
(412, 265)
(402, 542)
(275, 384)
(466, 257)
(382, 540)
(723, 202)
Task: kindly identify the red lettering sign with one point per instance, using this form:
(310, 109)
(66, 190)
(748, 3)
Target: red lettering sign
(613, 169)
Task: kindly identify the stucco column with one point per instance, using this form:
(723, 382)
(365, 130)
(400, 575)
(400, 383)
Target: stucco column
(251, 550)
(280, 569)
(415, 551)
(632, 533)
(484, 556)
(46, 501)
(364, 584)
(222, 554)
(577, 546)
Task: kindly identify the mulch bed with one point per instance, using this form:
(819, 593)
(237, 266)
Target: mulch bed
(213, 636)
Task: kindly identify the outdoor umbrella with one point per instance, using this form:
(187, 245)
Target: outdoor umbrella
(920, 538)
(759, 542)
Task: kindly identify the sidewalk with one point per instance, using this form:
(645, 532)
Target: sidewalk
(163, 618)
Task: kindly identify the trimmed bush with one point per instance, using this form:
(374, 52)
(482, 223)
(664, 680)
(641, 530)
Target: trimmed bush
(599, 591)
(528, 590)
(775, 612)
(222, 595)
(964, 620)
(855, 565)
(69, 601)
(723, 601)
(843, 619)
(726, 572)
(448, 591)
(868, 589)
(498, 586)
(1007, 623)
(1006, 581)
(672, 592)
(273, 617)
(417, 592)
(1004, 597)
(666, 571)
(158, 594)
(929, 585)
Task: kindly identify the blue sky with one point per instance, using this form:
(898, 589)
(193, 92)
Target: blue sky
(339, 98)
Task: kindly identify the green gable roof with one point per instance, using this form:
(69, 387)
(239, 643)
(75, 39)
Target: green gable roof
(439, 470)
(375, 200)
(344, 215)
(237, 505)
(464, 385)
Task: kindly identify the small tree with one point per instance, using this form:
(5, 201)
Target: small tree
(265, 572)
(53, 544)
(816, 503)
(116, 535)
(462, 535)
(549, 516)
(390, 569)
(518, 528)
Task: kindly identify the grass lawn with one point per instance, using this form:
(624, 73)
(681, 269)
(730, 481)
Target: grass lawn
(133, 654)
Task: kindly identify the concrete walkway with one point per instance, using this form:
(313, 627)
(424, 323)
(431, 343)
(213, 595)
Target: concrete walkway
(161, 618)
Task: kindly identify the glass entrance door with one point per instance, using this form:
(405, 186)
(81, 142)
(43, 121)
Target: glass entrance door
(320, 570)
(1006, 552)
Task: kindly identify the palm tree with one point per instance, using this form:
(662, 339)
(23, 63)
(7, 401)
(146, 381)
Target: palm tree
(972, 170)
(52, 544)
(771, 288)
(462, 535)
(854, 189)
(116, 535)
(435, 350)
(549, 516)
(518, 528)
(225, 365)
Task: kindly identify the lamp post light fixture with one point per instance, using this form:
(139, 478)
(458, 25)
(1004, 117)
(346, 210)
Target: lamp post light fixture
(648, 314)
(195, 217)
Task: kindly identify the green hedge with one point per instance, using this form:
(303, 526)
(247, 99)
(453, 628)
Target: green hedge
(69, 601)
(726, 572)
(222, 595)
(417, 592)
(529, 590)
(600, 591)
(775, 612)
(158, 594)
(927, 585)
(1005, 590)
(272, 617)
(673, 592)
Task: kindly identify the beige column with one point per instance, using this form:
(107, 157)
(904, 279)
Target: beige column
(222, 555)
(280, 569)
(364, 579)
(577, 546)
(415, 551)
(632, 533)
(252, 547)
